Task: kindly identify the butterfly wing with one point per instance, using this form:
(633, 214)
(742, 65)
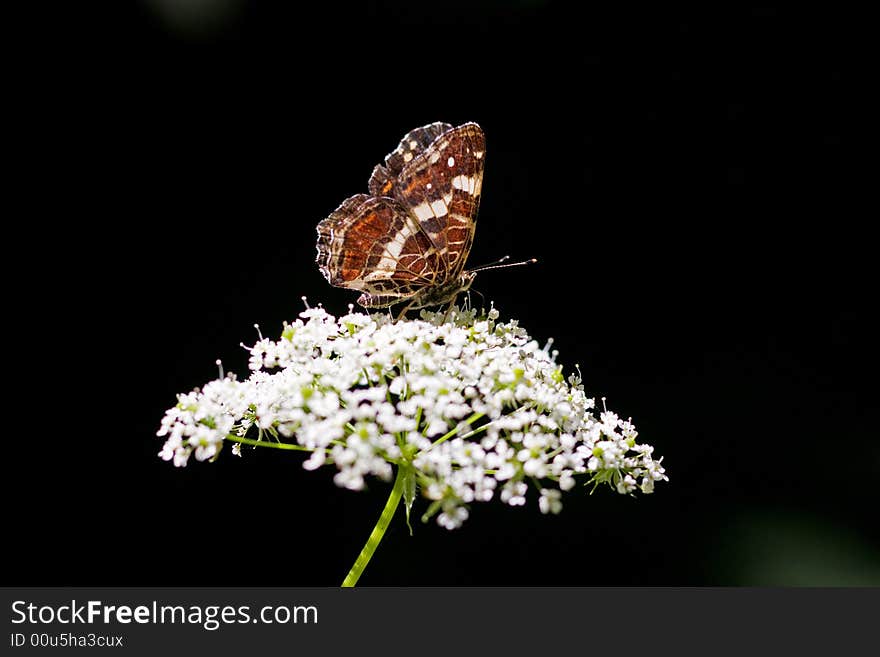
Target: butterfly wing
(414, 230)
(441, 188)
(413, 143)
(372, 244)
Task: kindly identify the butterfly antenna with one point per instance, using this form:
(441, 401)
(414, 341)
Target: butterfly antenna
(494, 263)
(502, 264)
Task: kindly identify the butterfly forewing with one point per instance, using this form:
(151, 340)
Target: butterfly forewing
(467, 184)
(413, 143)
(441, 187)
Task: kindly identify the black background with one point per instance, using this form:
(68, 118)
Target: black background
(683, 177)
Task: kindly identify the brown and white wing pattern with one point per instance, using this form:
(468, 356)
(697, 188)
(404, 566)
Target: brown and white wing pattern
(413, 143)
(409, 238)
(371, 244)
(441, 186)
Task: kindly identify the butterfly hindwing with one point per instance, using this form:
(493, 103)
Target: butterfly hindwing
(371, 244)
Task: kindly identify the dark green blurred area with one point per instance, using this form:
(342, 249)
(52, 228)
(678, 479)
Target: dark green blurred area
(789, 548)
(682, 174)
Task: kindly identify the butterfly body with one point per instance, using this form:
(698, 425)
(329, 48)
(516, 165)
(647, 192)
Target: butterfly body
(408, 239)
(443, 293)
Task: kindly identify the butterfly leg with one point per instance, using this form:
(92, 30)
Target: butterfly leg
(449, 310)
(403, 312)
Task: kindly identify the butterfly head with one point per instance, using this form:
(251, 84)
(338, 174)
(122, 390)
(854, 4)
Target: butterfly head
(466, 279)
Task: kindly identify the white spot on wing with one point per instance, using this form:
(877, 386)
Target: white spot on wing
(423, 211)
(413, 144)
(428, 186)
(439, 208)
(451, 161)
(464, 183)
(393, 248)
(407, 157)
(382, 269)
(478, 155)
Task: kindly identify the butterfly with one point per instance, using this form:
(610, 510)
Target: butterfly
(407, 241)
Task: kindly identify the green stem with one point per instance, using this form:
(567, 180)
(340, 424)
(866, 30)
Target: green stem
(378, 531)
(267, 443)
(473, 418)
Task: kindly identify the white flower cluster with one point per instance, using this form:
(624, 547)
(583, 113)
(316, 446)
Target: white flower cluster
(474, 407)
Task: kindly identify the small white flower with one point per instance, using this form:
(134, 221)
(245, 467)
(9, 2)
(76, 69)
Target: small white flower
(550, 501)
(566, 481)
(626, 485)
(452, 517)
(181, 456)
(514, 493)
(475, 406)
(169, 449)
(535, 468)
(316, 460)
